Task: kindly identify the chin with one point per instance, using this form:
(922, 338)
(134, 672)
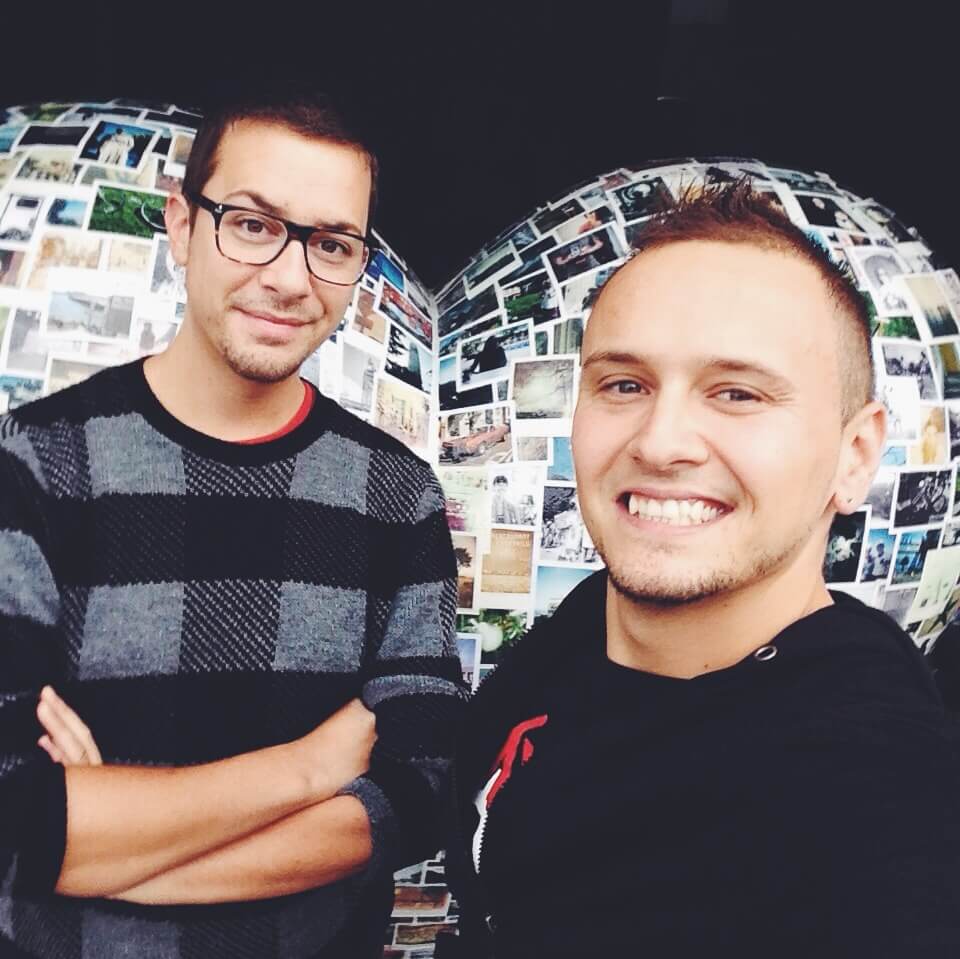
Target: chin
(263, 369)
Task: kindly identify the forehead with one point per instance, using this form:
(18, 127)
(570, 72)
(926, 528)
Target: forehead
(694, 298)
(306, 178)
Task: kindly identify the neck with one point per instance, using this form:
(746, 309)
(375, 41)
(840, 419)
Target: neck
(202, 392)
(694, 638)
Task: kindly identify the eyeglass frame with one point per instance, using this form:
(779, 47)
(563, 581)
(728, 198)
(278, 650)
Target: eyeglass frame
(295, 231)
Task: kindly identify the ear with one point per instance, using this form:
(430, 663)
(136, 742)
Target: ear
(862, 446)
(176, 215)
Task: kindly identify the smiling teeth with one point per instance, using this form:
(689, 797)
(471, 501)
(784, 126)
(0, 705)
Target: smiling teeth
(684, 512)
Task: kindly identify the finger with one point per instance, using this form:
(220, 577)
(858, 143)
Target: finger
(60, 734)
(46, 744)
(79, 730)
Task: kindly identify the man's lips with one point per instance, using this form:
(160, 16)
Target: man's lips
(272, 318)
(680, 507)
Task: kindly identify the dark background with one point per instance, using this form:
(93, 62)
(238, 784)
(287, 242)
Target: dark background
(480, 111)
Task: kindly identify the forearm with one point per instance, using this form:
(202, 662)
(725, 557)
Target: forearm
(314, 847)
(125, 824)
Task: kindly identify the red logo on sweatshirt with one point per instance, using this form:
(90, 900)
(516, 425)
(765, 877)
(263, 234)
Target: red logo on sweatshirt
(515, 743)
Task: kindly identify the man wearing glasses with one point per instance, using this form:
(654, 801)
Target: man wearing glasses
(202, 555)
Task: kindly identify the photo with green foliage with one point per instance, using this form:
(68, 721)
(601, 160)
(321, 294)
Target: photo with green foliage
(127, 211)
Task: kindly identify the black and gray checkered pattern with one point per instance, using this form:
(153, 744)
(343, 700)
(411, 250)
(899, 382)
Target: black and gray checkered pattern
(194, 600)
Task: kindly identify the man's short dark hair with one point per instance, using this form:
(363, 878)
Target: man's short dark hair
(737, 213)
(309, 114)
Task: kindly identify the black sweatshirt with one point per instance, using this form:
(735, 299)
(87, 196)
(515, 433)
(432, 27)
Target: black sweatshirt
(801, 805)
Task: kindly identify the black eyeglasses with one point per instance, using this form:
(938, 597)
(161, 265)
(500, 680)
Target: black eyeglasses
(255, 238)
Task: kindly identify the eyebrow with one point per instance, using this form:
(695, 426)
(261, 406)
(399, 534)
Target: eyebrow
(344, 226)
(718, 363)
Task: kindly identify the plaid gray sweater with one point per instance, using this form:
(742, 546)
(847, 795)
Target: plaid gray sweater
(195, 599)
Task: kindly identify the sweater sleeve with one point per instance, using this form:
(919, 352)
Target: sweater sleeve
(415, 687)
(32, 788)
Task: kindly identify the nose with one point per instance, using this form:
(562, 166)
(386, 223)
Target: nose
(668, 433)
(288, 274)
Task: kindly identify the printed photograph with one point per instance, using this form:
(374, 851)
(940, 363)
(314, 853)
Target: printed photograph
(19, 217)
(901, 397)
(64, 212)
(8, 136)
(53, 135)
(561, 466)
(568, 335)
(827, 212)
(129, 256)
(584, 223)
(494, 264)
(465, 550)
(879, 555)
(113, 143)
(953, 423)
(398, 308)
(64, 372)
(585, 253)
(946, 365)
(643, 198)
(451, 396)
(49, 166)
(873, 212)
(563, 537)
(167, 278)
(543, 389)
(487, 357)
(11, 263)
(532, 260)
(802, 181)
(934, 307)
(154, 334)
(357, 382)
(496, 630)
(146, 178)
(506, 566)
(880, 497)
(911, 359)
(521, 236)
(879, 267)
(533, 449)
(533, 298)
(468, 653)
(404, 413)
(922, 498)
(381, 265)
(845, 541)
(366, 319)
(475, 437)
(18, 390)
(75, 250)
(78, 315)
(896, 604)
(549, 219)
(468, 310)
(553, 585)
(131, 212)
(580, 294)
(514, 495)
(26, 349)
(933, 445)
(406, 360)
(448, 345)
(937, 581)
(911, 553)
(465, 491)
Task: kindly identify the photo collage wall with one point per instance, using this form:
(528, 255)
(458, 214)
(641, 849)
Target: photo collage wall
(480, 377)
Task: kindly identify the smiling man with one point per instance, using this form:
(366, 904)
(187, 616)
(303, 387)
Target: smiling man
(704, 751)
(201, 554)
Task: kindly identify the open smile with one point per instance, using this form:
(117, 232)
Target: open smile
(681, 509)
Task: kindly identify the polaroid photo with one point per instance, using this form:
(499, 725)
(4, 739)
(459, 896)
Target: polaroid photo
(515, 493)
(492, 266)
(468, 651)
(407, 360)
(584, 223)
(465, 550)
(393, 304)
(912, 549)
(580, 294)
(17, 390)
(495, 630)
(9, 134)
(878, 267)
(49, 166)
(541, 343)
(114, 143)
(478, 436)
(448, 344)
(896, 604)
(827, 212)
(506, 568)
(844, 553)
(932, 305)
(933, 447)
(64, 371)
(404, 413)
(66, 212)
(129, 256)
(532, 260)
(901, 397)
(937, 581)
(164, 180)
(358, 378)
(561, 462)
(533, 449)
(465, 491)
(25, 349)
(168, 279)
(452, 292)
(880, 497)
(153, 333)
(643, 198)
(586, 253)
(53, 135)
(487, 357)
(922, 498)
(549, 219)
(451, 397)
(563, 537)
(79, 315)
(522, 235)
(878, 218)
(366, 319)
(128, 212)
(802, 181)
(180, 146)
(544, 391)
(901, 358)
(953, 430)
(468, 310)
(878, 555)
(950, 283)
(11, 265)
(381, 265)
(18, 217)
(533, 298)
(951, 535)
(66, 250)
(568, 336)
(553, 585)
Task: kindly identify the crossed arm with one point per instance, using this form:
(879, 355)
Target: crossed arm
(262, 824)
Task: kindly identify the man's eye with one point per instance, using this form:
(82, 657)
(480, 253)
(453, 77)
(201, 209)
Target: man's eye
(736, 396)
(623, 387)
